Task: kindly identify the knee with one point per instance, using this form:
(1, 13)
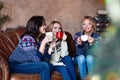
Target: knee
(89, 58)
(45, 65)
(81, 59)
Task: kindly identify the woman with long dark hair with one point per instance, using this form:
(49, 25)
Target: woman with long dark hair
(28, 56)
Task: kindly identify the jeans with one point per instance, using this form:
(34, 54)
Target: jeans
(32, 67)
(64, 72)
(68, 72)
(85, 64)
(67, 60)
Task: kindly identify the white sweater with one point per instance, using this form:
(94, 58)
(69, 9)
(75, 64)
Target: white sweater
(59, 53)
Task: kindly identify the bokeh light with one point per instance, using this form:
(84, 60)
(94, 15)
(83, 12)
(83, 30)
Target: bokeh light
(113, 7)
(107, 66)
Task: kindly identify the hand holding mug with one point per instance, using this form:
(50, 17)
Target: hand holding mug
(90, 39)
(50, 36)
(79, 41)
(45, 40)
(64, 36)
(84, 38)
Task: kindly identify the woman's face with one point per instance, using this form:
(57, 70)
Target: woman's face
(42, 29)
(56, 28)
(87, 25)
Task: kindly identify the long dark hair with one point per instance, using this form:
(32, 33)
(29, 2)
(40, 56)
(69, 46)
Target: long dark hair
(33, 25)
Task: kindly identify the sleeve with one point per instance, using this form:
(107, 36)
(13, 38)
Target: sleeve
(46, 56)
(97, 39)
(64, 49)
(95, 45)
(78, 34)
(28, 44)
(79, 48)
(75, 38)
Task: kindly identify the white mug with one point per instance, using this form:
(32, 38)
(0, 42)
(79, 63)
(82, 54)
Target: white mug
(84, 37)
(49, 35)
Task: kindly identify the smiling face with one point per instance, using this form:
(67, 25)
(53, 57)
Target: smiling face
(42, 29)
(87, 26)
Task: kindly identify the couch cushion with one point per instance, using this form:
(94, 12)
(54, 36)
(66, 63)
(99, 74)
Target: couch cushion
(56, 76)
(19, 76)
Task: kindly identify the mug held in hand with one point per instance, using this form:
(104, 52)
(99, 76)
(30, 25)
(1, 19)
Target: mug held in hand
(49, 35)
(84, 37)
(59, 35)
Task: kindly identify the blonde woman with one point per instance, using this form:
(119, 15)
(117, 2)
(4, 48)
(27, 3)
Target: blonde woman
(60, 58)
(84, 41)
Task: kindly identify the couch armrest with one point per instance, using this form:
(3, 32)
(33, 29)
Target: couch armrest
(4, 69)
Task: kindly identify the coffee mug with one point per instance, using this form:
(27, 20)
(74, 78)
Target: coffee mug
(49, 35)
(84, 37)
(59, 35)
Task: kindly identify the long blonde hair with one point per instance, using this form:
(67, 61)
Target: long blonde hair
(50, 26)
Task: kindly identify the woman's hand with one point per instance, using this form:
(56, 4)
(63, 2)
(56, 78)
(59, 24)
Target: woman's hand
(90, 39)
(64, 36)
(79, 41)
(48, 38)
(45, 40)
(43, 43)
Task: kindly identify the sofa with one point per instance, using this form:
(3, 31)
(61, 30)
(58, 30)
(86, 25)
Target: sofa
(8, 41)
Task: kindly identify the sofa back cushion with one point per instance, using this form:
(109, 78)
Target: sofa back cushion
(9, 40)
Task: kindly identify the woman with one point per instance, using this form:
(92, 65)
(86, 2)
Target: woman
(28, 57)
(85, 40)
(58, 49)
